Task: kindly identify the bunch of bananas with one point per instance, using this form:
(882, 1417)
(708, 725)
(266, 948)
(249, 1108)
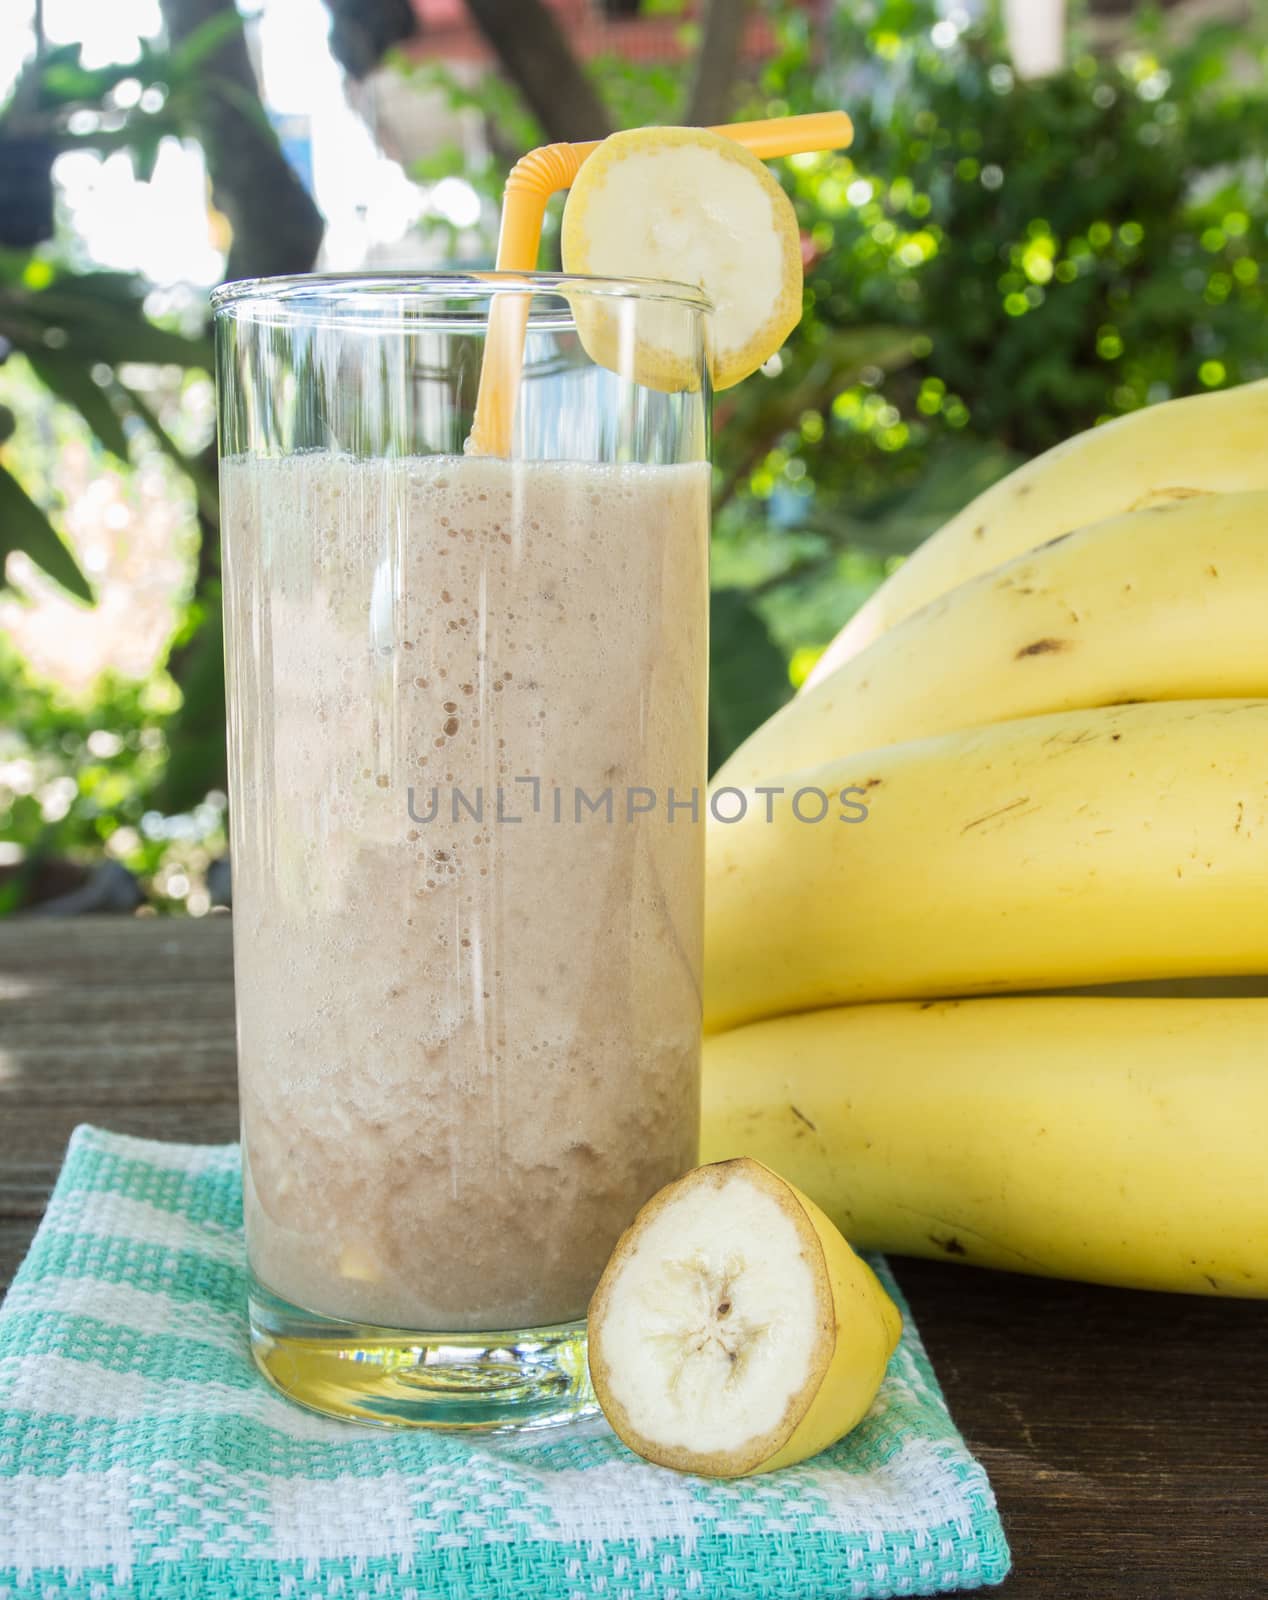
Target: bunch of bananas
(1017, 1017)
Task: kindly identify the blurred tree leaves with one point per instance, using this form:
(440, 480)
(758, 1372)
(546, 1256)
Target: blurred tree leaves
(71, 380)
(196, 731)
(751, 418)
(77, 781)
(1055, 253)
(23, 526)
(994, 266)
(747, 680)
(89, 316)
(134, 105)
(73, 328)
(1070, 248)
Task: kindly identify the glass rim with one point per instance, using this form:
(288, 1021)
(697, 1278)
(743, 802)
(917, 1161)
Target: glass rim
(294, 289)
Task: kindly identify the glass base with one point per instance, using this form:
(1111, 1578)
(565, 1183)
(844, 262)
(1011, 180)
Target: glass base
(392, 1377)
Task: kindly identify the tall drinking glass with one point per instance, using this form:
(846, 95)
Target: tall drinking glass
(467, 728)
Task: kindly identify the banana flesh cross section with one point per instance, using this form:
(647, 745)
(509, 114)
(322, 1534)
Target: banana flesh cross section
(714, 1320)
(734, 1330)
(685, 205)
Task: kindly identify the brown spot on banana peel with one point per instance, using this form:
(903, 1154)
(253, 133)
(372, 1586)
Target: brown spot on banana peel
(990, 815)
(1042, 647)
(1061, 744)
(961, 1231)
(951, 1246)
(802, 1117)
(1165, 499)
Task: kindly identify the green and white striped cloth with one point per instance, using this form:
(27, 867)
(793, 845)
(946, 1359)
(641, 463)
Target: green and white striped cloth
(141, 1455)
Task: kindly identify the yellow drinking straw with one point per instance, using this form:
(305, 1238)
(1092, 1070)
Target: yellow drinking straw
(532, 181)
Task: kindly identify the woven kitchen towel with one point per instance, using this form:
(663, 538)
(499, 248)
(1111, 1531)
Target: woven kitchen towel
(141, 1455)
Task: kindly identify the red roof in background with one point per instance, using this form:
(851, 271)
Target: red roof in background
(449, 32)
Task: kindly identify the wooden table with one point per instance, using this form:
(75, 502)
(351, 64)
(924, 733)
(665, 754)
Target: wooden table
(1126, 1434)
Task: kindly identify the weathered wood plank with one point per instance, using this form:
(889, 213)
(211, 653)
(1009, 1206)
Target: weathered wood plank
(81, 951)
(1119, 1429)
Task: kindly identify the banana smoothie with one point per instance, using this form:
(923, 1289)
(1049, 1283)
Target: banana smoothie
(468, 987)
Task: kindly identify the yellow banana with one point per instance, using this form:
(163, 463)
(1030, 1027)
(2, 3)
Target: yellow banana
(1153, 605)
(1200, 445)
(734, 1330)
(1101, 846)
(1246, 986)
(1121, 1141)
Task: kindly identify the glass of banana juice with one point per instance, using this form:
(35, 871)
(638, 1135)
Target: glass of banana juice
(467, 718)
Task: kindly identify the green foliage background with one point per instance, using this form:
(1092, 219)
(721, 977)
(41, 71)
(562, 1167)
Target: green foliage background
(1056, 253)
(994, 266)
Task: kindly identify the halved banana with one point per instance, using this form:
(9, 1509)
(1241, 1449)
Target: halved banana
(691, 206)
(734, 1330)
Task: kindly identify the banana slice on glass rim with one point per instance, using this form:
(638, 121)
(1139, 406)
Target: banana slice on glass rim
(690, 206)
(734, 1330)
